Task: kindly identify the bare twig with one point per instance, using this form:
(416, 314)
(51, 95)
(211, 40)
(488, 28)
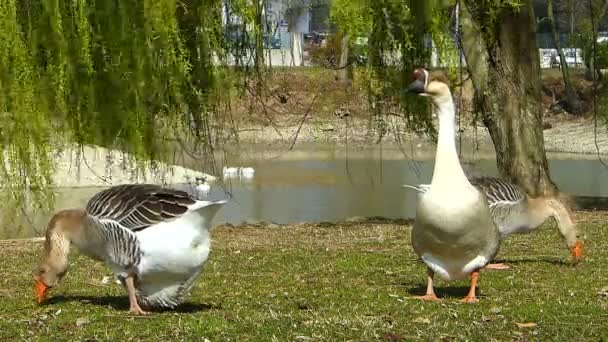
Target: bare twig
(306, 114)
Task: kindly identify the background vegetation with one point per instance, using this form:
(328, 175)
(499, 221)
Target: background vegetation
(133, 76)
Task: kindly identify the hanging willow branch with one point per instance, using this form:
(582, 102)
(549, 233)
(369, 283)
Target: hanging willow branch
(119, 74)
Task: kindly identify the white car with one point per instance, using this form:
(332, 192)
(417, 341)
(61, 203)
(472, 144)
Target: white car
(574, 58)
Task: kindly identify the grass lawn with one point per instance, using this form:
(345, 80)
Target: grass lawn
(326, 282)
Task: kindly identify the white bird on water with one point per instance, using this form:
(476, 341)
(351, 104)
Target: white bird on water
(202, 187)
(247, 172)
(240, 172)
(230, 172)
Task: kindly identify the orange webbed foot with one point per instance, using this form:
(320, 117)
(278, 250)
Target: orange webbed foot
(469, 300)
(428, 298)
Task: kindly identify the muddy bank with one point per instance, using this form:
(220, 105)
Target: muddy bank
(97, 166)
(562, 134)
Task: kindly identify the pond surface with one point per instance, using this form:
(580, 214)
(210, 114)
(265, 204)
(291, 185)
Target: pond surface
(327, 184)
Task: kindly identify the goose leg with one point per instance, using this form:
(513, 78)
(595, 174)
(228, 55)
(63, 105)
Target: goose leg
(470, 298)
(430, 292)
(134, 307)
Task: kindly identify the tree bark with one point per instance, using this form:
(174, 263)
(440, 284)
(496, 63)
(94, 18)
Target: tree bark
(573, 104)
(504, 65)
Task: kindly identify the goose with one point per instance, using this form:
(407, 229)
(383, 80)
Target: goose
(202, 187)
(453, 232)
(154, 239)
(247, 172)
(514, 212)
(230, 172)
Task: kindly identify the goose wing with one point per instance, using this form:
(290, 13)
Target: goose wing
(138, 206)
(500, 193)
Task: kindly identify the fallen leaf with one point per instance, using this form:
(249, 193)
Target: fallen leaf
(392, 337)
(495, 310)
(303, 338)
(273, 314)
(82, 321)
(526, 325)
(488, 318)
(423, 320)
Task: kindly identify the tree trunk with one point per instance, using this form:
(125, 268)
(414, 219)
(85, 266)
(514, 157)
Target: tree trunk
(504, 65)
(571, 11)
(592, 73)
(573, 105)
(345, 73)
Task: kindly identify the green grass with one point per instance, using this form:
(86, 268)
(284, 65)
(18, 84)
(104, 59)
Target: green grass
(350, 281)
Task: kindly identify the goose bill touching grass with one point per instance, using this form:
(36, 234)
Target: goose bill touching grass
(154, 239)
(514, 212)
(453, 233)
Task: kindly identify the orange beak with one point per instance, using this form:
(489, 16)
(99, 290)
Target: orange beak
(41, 290)
(577, 251)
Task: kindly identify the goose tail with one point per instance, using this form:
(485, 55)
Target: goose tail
(420, 188)
(205, 211)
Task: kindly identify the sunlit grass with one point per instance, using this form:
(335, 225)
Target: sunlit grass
(349, 281)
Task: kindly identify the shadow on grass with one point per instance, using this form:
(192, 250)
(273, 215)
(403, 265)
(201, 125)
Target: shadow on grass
(461, 291)
(121, 303)
(443, 292)
(554, 260)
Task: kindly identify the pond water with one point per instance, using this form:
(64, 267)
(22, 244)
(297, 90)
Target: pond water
(323, 183)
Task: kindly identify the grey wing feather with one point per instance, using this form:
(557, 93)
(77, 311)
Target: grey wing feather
(498, 191)
(121, 245)
(138, 206)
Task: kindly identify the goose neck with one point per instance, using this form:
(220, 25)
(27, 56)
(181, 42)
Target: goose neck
(447, 165)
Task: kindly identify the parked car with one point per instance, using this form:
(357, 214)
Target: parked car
(574, 58)
(546, 57)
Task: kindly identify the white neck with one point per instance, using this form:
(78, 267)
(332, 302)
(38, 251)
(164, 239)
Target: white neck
(448, 170)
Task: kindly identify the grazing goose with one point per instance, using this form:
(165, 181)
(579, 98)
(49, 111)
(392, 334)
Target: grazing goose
(514, 211)
(154, 239)
(454, 233)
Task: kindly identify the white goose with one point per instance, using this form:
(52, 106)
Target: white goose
(247, 172)
(454, 233)
(202, 186)
(154, 239)
(514, 212)
(230, 172)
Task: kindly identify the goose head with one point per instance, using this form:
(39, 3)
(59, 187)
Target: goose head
(62, 228)
(433, 85)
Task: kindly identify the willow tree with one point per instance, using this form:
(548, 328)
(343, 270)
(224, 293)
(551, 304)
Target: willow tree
(499, 39)
(502, 57)
(120, 74)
